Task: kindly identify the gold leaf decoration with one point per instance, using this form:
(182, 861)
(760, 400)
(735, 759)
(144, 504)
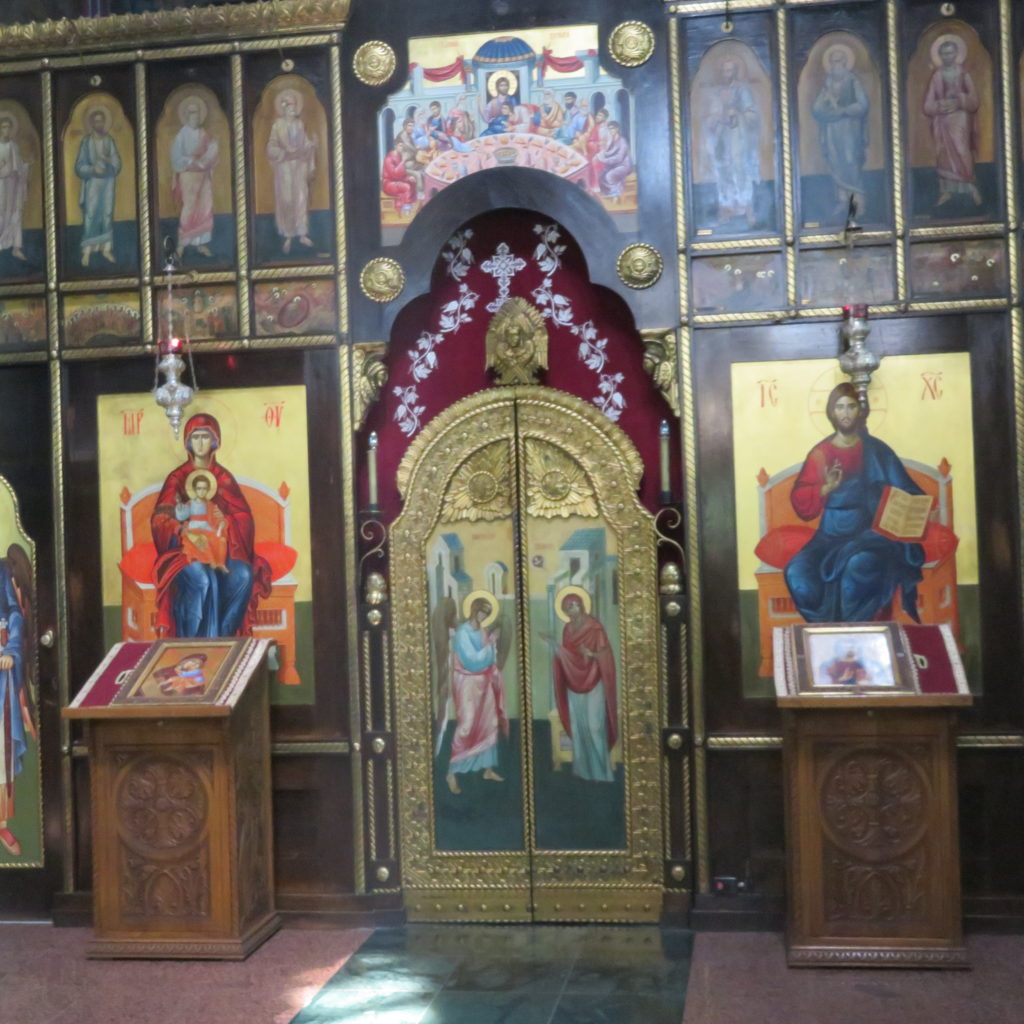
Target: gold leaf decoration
(261, 18)
(517, 343)
(481, 488)
(556, 485)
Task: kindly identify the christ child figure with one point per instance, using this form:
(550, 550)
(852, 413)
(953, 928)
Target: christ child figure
(187, 678)
(204, 530)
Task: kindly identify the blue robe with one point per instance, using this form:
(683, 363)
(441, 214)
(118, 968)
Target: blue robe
(11, 682)
(99, 181)
(847, 572)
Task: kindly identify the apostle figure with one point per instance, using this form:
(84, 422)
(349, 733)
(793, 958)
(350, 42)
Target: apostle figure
(459, 121)
(550, 116)
(952, 102)
(841, 110)
(573, 121)
(848, 572)
(14, 171)
(478, 694)
(732, 130)
(195, 598)
(98, 164)
(292, 154)
(615, 161)
(585, 689)
(17, 667)
(194, 155)
(405, 145)
(396, 181)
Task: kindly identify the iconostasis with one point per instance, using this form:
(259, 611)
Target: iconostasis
(336, 214)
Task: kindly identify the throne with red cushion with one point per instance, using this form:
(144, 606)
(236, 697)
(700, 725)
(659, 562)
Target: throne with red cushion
(275, 615)
(784, 533)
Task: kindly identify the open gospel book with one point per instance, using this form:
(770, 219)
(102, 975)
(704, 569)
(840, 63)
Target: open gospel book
(902, 515)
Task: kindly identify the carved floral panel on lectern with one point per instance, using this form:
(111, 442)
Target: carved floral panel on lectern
(163, 804)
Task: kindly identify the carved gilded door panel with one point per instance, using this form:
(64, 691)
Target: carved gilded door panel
(525, 631)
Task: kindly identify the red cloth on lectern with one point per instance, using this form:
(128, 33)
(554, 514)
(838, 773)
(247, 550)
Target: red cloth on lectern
(934, 673)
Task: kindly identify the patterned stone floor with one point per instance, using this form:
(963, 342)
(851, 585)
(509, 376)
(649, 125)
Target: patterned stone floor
(513, 975)
(436, 974)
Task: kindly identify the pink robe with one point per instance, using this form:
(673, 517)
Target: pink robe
(478, 692)
(193, 157)
(954, 133)
(292, 154)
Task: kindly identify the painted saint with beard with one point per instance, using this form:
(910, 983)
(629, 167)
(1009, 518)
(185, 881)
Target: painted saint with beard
(841, 110)
(848, 572)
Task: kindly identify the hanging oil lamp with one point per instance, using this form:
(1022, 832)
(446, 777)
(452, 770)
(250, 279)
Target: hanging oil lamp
(172, 394)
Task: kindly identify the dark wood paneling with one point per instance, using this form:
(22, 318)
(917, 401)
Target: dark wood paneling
(327, 718)
(395, 22)
(986, 337)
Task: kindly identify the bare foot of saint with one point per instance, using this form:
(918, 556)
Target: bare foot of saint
(287, 247)
(18, 254)
(492, 776)
(203, 250)
(307, 241)
(453, 783)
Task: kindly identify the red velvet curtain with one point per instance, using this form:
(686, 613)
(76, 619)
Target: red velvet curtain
(549, 62)
(437, 351)
(457, 67)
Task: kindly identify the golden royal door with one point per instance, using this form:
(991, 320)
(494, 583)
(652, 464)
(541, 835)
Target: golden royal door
(526, 666)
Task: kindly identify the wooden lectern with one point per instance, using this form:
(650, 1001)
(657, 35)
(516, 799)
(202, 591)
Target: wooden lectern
(873, 858)
(179, 749)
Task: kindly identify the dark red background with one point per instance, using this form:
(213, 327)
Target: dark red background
(460, 370)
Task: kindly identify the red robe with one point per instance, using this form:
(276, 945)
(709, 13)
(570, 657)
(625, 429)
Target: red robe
(396, 180)
(580, 673)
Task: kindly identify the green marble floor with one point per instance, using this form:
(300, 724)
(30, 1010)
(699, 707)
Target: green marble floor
(510, 974)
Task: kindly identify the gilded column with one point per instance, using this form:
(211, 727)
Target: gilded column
(895, 84)
(145, 233)
(788, 213)
(348, 471)
(241, 196)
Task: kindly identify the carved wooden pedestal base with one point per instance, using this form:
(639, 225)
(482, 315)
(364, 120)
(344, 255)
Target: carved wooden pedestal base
(871, 828)
(181, 831)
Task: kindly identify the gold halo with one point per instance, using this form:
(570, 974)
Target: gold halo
(826, 57)
(98, 108)
(492, 82)
(295, 96)
(948, 37)
(190, 482)
(568, 592)
(187, 102)
(467, 604)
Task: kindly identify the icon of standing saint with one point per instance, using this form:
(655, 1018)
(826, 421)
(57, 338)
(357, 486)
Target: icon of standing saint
(194, 157)
(98, 165)
(291, 151)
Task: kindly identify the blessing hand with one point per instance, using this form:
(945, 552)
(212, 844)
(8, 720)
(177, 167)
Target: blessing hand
(833, 478)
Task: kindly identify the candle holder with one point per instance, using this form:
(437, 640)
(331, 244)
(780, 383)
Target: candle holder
(664, 467)
(371, 467)
(857, 361)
